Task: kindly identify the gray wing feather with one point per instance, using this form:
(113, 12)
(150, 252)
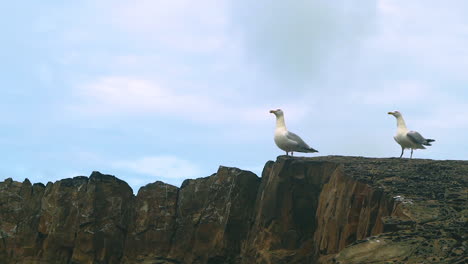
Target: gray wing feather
(416, 137)
(296, 138)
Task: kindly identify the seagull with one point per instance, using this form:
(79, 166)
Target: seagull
(286, 140)
(408, 139)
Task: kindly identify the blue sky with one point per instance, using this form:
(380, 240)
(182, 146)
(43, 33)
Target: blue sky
(168, 90)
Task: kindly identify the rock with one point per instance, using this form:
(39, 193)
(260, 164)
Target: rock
(428, 221)
(153, 222)
(285, 211)
(214, 216)
(79, 220)
(19, 218)
(303, 210)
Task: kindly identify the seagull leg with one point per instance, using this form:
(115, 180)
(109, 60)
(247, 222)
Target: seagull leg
(411, 154)
(292, 153)
(402, 150)
(287, 153)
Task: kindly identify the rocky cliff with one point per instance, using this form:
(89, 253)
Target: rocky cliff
(302, 210)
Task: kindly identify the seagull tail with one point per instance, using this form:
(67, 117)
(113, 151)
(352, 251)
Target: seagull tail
(428, 142)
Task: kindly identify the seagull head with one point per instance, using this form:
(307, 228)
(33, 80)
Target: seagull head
(395, 114)
(277, 112)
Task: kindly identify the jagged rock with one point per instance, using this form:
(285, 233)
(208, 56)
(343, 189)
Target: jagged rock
(429, 215)
(79, 220)
(19, 218)
(285, 211)
(303, 210)
(214, 216)
(153, 223)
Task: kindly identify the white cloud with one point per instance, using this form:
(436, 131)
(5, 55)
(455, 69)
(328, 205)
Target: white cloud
(161, 167)
(180, 24)
(293, 40)
(124, 94)
(117, 95)
(451, 116)
(429, 34)
(397, 93)
(388, 7)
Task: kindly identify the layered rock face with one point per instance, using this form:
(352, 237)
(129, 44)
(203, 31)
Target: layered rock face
(285, 211)
(153, 222)
(428, 222)
(99, 220)
(214, 217)
(302, 210)
(79, 220)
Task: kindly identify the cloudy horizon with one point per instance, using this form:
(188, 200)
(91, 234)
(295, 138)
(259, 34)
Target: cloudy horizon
(169, 90)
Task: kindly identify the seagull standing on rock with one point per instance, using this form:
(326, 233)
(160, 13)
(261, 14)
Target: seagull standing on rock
(406, 138)
(286, 140)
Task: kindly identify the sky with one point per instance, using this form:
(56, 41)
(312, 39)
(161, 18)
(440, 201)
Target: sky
(154, 90)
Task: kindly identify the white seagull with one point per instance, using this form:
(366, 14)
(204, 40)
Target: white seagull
(286, 140)
(408, 139)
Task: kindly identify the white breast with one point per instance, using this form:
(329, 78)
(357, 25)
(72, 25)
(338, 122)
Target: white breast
(282, 141)
(402, 139)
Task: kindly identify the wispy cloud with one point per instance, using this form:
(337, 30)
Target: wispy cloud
(426, 33)
(447, 117)
(161, 167)
(117, 95)
(180, 24)
(397, 92)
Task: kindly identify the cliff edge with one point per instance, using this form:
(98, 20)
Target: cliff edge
(302, 210)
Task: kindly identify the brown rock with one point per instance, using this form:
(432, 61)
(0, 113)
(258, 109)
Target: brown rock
(304, 210)
(153, 223)
(214, 216)
(430, 207)
(349, 210)
(19, 217)
(79, 220)
(285, 211)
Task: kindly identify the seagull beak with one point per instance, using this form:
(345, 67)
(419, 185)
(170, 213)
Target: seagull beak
(272, 111)
(390, 113)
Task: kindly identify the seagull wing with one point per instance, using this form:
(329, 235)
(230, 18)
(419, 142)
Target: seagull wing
(416, 138)
(297, 139)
